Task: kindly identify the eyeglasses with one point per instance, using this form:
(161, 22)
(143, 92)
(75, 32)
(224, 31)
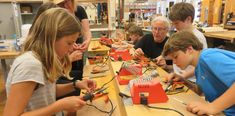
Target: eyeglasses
(160, 29)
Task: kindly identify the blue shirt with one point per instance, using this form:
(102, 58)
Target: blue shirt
(215, 73)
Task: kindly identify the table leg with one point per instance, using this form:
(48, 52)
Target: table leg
(4, 68)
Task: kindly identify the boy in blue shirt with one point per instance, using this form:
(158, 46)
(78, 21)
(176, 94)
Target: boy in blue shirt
(214, 70)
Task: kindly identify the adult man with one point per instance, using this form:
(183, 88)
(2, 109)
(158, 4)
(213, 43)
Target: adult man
(151, 45)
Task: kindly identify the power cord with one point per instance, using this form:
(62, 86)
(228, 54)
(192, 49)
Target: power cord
(103, 111)
(144, 101)
(108, 82)
(160, 108)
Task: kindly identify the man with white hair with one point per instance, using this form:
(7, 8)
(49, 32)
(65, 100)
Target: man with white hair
(151, 45)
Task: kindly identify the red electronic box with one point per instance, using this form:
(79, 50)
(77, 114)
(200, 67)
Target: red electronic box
(128, 71)
(121, 55)
(152, 90)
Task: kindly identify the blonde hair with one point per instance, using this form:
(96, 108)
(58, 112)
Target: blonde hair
(50, 26)
(181, 41)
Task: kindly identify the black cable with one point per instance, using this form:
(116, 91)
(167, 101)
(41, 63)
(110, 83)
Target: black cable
(160, 108)
(107, 112)
(97, 108)
(107, 82)
(148, 68)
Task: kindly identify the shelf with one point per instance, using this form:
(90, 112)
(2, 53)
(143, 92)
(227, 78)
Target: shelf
(92, 1)
(27, 14)
(23, 1)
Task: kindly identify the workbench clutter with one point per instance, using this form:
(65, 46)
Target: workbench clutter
(9, 45)
(106, 41)
(98, 94)
(121, 45)
(175, 87)
(127, 72)
(120, 55)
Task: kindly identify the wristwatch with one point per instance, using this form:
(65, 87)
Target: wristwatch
(74, 85)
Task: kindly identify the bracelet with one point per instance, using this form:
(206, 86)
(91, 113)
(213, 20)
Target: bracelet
(74, 85)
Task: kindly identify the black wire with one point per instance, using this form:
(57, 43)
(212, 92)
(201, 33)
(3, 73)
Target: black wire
(107, 82)
(107, 112)
(160, 108)
(97, 108)
(149, 68)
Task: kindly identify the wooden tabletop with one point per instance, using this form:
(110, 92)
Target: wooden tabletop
(113, 96)
(96, 43)
(226, 35)
(8, 55)
(136, 110)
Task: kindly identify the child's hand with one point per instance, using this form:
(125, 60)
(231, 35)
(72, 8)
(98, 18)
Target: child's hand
(87, 84)
(200, 108)
(171, 76)
(75, 55)
(71, 104)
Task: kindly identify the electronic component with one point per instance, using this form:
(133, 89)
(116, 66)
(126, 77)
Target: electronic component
(147, 89)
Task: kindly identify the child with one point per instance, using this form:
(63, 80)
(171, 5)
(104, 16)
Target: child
(135, 34)
(182, 16)
(31, 87)
(214, 71)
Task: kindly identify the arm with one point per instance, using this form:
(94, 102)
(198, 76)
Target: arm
(86, 34)
(224, 101)
(20, 94)
(187, 73)
(137, 53)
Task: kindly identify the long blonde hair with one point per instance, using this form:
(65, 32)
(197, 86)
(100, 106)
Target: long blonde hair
(52, 25)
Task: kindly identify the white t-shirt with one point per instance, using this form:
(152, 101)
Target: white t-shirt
(27, 68)
(202, 39)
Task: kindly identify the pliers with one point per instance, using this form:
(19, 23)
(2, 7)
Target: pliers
(94, 95)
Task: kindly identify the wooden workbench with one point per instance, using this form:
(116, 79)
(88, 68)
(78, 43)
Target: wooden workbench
(224, 35)
(103, 49)
(137, 110)
(3, 57)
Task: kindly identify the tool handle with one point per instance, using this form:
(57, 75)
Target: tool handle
(88, 96)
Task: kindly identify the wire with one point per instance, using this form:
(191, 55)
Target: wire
(107, 112)
(107, 82)
(104, 63)
(176, 92)
(149, 68)
(160, 108)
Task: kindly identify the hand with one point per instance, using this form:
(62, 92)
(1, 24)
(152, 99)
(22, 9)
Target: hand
(69, 6)
(75, 55)
(160, 61)
(200, 108)
(76, 46)
(87, 84)
(71, 104)
(84, 46)
(172, 76)
(138, 52)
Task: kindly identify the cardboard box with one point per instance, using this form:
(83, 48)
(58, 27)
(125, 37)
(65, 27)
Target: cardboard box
(26, 9)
